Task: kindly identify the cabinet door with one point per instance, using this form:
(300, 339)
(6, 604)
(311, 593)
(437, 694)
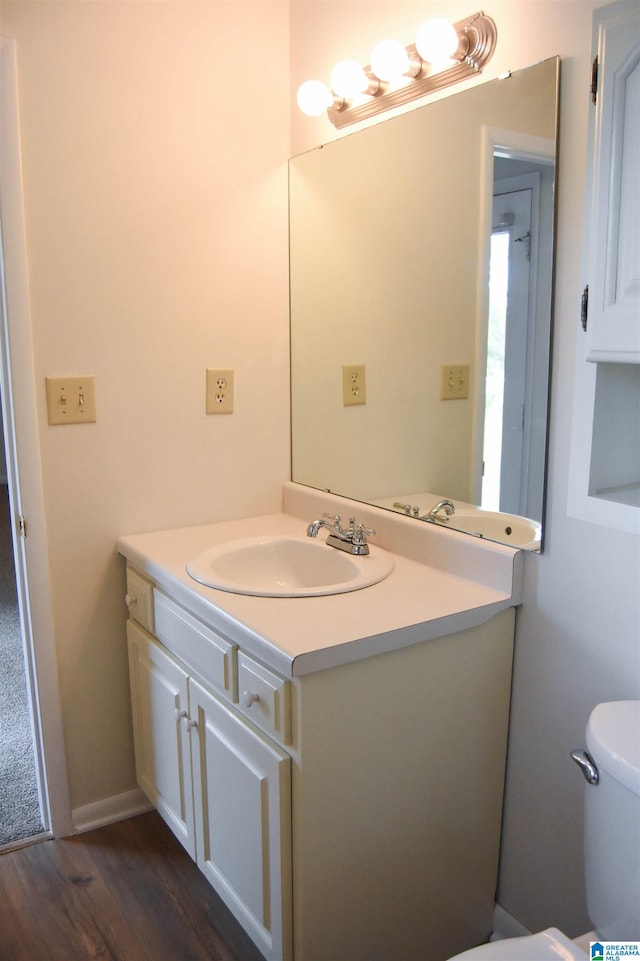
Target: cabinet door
(614, 272)
(159, 702)
(242, 796)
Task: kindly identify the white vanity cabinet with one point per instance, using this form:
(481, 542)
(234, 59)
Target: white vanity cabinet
(160, 701)
(242, 800)
(223, 788)
(343, 814)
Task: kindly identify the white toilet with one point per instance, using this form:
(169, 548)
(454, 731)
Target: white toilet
(611, 765)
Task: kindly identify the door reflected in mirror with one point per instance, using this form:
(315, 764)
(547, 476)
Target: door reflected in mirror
(421, 246)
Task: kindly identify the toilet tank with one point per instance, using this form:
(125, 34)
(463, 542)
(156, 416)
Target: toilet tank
(612, 821)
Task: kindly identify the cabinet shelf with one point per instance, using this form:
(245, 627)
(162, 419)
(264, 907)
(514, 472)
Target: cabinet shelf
(626, 494)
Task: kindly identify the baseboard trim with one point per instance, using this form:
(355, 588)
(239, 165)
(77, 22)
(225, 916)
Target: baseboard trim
(506, 926)
(115, 808)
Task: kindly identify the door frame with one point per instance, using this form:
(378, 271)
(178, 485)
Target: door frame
(519, 349)
(24, 471)
(523, 147)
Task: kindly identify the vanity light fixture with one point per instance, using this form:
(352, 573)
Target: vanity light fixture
(444, 53)
(349, 79)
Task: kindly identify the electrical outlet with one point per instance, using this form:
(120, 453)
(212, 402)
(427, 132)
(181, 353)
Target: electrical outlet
(219, 390)
(454, 382)
(354, 386)
(71, 400)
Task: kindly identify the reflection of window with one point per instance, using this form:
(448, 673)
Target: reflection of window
(494, 386)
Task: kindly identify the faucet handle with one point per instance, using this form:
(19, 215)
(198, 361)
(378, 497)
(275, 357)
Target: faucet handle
(361, 533)
(407, 508)
(337, 523)
(354, 534)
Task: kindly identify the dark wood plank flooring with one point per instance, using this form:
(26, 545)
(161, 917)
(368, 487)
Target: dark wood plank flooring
(125, 892)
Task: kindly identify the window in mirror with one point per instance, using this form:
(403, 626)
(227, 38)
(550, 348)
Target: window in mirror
(494, 381)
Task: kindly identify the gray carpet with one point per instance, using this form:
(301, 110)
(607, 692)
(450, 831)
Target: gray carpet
(19, 804)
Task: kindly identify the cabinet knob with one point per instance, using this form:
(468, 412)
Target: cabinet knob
(249, 698)
(180, 714)
(129, 600)
(188, 723)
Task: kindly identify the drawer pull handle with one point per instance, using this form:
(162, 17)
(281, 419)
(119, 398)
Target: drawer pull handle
(249, 698)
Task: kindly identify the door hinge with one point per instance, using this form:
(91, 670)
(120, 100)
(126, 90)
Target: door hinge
(22, 526)
(584, 307)
(594, 81)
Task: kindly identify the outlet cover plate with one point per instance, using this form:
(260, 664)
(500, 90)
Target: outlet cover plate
(219, 390)
(354, 385)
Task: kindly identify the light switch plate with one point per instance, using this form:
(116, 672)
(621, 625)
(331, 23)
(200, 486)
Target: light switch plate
(454, 381)
(71, 400)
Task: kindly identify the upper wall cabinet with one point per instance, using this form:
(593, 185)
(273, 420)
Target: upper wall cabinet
(613, 316)
(604, 476)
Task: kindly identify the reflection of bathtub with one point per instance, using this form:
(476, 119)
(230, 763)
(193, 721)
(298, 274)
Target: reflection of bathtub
(521, 532)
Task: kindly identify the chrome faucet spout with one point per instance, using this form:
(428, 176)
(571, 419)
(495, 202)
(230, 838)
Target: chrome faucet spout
(445, 507)
(314, 527)
(334, 527)
(352, 539)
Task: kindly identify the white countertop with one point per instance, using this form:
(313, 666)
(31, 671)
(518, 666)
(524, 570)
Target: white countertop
(417, 602)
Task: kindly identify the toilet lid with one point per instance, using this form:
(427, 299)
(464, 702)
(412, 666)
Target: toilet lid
(549, 945)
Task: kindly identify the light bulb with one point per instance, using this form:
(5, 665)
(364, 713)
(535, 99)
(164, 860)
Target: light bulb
(314, 98)
(437, 40)
(390, 60)
(348, 79)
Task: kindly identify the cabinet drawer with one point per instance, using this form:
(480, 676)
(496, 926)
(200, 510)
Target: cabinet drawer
(265, 697)
(196, 645)
(140, 599)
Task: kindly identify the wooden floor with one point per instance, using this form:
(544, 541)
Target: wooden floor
(126, 892)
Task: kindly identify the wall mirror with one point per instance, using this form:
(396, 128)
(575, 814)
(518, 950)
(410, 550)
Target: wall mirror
(421, 258)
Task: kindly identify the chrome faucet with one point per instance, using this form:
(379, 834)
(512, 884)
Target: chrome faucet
(444, 506)
(352, 539)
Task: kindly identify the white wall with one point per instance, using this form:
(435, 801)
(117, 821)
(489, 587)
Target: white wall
(156, 220)
(577, 637)
(155, 192)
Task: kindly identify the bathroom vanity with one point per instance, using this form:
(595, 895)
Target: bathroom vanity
(334, 764)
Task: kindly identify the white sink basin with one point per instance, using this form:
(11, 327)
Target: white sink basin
(506, 528)
(287, 566)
